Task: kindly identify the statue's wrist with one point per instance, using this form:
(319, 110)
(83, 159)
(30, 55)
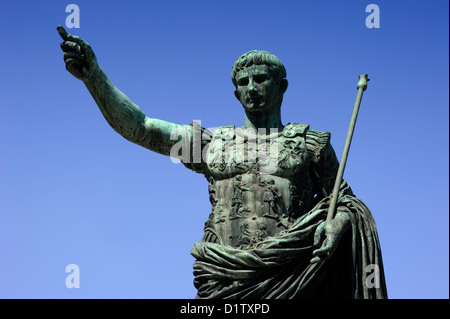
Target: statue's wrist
(94, 74)
(343, 216)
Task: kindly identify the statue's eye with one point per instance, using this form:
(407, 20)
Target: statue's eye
(260, 78)
(243, 81)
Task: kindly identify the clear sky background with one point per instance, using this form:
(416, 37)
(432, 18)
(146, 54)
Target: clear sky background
(73, 191)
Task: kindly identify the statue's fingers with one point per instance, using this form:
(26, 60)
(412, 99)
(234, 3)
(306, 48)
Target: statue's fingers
(72, 38)
(67, 36)
(68, 46)
(324, 250)
(321, 254)
(62, 32)
(318, 235)
(71, 57)
(315, 260)
(75, 65)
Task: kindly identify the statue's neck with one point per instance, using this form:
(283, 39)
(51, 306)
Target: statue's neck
(264, 121)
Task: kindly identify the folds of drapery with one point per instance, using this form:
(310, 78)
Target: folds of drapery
(279, 267)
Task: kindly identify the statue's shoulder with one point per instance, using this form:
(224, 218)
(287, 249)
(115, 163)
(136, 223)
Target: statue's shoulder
(316, 141)
(295, 129)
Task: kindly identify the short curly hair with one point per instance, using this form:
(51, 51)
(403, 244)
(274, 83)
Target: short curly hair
(257, 57)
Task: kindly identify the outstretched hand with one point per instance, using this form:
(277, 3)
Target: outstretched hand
(78, 55)
(327, 235)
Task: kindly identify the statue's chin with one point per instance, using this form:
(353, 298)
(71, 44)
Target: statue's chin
(255, 107)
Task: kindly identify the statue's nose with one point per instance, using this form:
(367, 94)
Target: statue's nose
(251, 86)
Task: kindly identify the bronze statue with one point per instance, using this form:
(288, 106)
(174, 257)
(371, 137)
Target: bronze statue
(267, 235)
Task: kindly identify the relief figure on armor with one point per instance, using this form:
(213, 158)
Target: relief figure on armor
(271, 196)
(237, 198)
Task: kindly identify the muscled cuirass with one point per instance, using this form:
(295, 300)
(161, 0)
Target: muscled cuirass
(249, 201)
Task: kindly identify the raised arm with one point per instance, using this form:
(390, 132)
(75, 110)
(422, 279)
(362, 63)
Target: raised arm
(120, 112)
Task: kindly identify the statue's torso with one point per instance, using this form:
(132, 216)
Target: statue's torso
(247, 203)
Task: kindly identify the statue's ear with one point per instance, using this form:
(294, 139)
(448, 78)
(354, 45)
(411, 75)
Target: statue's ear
(283, 85)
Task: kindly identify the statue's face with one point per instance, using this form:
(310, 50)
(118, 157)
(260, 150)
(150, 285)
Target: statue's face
(257, 89)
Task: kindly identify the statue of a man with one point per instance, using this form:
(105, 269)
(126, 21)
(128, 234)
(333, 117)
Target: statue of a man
(267, 234)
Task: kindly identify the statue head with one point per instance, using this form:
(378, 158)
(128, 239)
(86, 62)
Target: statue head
(260, 81)
(257, 57)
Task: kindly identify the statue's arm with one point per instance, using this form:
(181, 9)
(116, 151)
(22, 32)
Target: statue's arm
(127, 119)
(120, 112)
(323, 160)
(324, 169)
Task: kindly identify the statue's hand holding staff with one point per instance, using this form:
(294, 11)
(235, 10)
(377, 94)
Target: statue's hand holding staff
(78, 55)
(328, 234)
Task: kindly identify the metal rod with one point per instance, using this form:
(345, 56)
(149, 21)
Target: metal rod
(362, 86)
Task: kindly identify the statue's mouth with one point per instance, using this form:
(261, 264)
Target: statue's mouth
(254, 99)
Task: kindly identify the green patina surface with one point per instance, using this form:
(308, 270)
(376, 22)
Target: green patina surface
(267, 235)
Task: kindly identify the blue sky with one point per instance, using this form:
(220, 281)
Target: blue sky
(72, 191)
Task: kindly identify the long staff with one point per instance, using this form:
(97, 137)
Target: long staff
(361, 86)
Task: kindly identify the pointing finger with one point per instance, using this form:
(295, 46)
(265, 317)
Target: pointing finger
(73, 38)
(62, 32)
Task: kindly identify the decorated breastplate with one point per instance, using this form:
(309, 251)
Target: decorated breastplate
(256, 190)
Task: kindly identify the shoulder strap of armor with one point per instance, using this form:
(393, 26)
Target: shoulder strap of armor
(316, 142)
(295, 129)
